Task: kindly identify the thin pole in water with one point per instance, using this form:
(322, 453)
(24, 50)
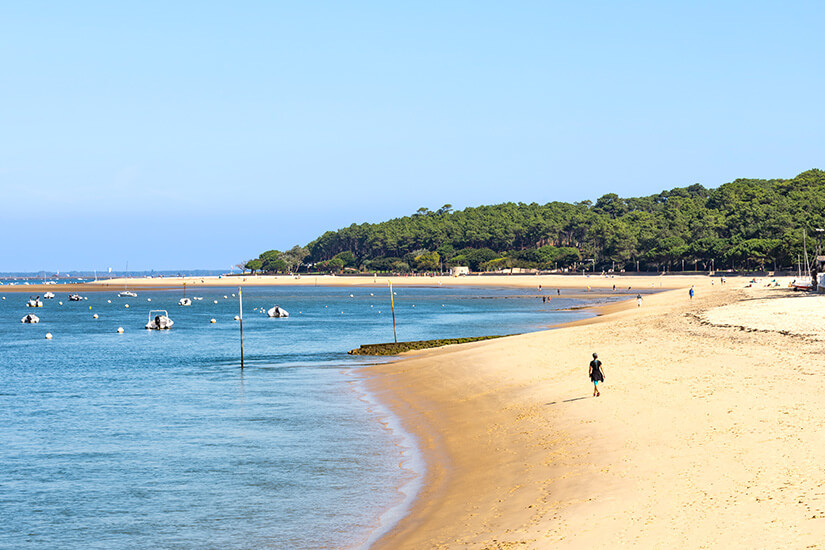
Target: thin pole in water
(392, 305)
(240, 301)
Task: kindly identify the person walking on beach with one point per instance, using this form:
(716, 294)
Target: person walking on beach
(638, 300)
(596, 374)
(691, 292)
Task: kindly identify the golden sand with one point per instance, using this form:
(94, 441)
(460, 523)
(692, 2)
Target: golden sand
(709, 433)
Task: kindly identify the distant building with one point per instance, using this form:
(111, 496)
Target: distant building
(459, 270)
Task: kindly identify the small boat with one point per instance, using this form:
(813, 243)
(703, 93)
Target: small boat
(197, 297)
(277, 311)
(48, 295)
(159, 320)
(75, 297)
(30, 319)
(34, 302)
(801, 285)
(184, 301)
(127, 294)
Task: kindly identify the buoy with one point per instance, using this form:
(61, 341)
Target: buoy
(371, 294)
(90, 307)
(212, 321)
(107, 301)
(125, 305)
(372, 306)
(48, 336)
(216, 301)
(58, 303)
(233, 295)
(120, 330)
(237, 318)
(413, 305)
(4, 297)
(85, 298)
(94, 316)
(224, 296)
(148, 299)
(351, 296)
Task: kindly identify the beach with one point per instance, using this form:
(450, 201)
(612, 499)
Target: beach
(548, 283)
(708, 432)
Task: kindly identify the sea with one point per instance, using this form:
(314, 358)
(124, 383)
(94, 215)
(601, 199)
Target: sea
(158, 439)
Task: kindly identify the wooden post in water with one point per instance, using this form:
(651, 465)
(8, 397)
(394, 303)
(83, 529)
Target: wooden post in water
(392, 305)
(240, 301)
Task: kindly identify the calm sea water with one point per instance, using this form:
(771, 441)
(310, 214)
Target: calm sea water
(154, 439)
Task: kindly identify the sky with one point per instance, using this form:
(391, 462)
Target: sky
(183, 135)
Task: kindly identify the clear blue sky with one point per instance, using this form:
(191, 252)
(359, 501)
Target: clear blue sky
(196, 135)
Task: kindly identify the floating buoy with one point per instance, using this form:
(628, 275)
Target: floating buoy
(371, 294)
(94, 316)
(216, 301)
(237, 318)
(351, 296)
(125, 305)
(120, 330)
(48, 336)
(58, 303)
(232, 296)
(4, 297)
(85, 298)
(90, 307)
(224, 296)
(413, 305)
(148, 299)
(212, 321)
(372, 305)
(107, 301)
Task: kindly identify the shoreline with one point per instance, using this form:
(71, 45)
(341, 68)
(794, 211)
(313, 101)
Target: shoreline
(579, 282)
(515, 459)
(400, 511)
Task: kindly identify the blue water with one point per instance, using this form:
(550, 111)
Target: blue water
(152, 439)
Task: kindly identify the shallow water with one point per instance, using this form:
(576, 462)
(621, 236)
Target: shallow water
(154, 439)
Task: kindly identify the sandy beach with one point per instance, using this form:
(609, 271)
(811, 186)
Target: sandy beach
(708, 433)
(592, 282)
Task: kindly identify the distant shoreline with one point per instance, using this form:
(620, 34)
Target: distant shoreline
(547, 282)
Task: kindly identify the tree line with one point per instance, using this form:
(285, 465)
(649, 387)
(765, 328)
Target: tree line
(744, 225)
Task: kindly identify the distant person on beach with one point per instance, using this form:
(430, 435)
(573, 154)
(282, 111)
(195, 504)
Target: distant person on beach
(558, 291)
(691, 292)
(596, 374)
(638, 300)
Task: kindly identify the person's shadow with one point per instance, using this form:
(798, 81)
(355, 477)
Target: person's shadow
(570, 400)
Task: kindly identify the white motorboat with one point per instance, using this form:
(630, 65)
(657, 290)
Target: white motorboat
(184, 302)
(159, 320)
(75, 297)
(34, 302)
(30, 318)
(277, 311)
(48, 295)
(127, 294)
